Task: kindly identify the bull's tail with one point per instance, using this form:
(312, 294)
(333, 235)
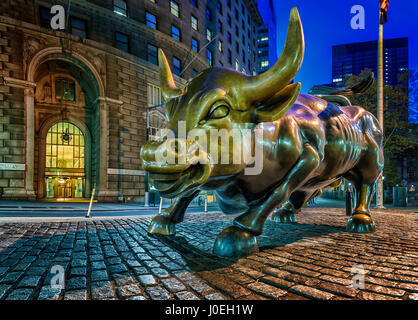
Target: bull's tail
(337, 95)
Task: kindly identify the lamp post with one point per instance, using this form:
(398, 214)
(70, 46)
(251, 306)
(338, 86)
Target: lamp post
(379, 191)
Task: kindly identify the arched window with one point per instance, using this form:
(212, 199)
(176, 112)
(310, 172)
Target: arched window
(64, 146)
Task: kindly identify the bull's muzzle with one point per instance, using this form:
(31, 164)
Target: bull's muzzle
(175, 165)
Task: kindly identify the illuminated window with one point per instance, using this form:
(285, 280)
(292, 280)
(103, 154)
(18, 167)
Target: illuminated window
(155, 96)
(194, 22)
(209, 34)
(119, 7)
(220, 46)
(264, 63)
(64, 146)
(174, 9)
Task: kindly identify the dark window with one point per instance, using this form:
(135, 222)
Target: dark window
(176, 66)
(119, 7)
(151, 20)
(121, 41)
(243, 56)
(229, 56)
(236, 14)
(194, 2)
(236, 46)
(209, 57)
(175, 33)
(78, 27)
(229, 37)
(221, 64)
(195, 45)
(243, 25)
(236, 31)
(208, 14)
(152, 54)
(219, 6)
(242, 9)
(228, 19)
(220, 27)
(228, 3)
(45, 17)
(65, 89)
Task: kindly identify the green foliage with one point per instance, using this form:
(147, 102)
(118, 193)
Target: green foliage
(400, 137)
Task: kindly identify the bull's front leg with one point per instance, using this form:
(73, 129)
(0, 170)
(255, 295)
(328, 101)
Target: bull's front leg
(165, 223)
(240, 239)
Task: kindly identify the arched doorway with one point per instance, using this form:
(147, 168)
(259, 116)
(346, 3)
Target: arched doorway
(65, 162)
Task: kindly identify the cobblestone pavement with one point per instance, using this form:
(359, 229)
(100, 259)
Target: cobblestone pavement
(117, 259)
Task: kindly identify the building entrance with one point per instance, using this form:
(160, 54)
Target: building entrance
(65, 162)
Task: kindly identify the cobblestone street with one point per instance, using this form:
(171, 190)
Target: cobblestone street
(117, 259)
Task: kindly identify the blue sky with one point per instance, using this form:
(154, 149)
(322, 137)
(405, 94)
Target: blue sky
(327, 23)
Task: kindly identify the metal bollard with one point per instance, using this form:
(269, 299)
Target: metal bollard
(91, 201)
(161, 205)
(348, 203)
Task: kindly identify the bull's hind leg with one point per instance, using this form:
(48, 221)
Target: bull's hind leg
(361, 220)
(240, 240)
(286, 213)
(364, 176)
(165, 223)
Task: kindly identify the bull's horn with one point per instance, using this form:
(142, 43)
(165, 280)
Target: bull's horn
(263, 86)
(168, 87)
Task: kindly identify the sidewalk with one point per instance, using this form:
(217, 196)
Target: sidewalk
(33, 206)
(332, 203)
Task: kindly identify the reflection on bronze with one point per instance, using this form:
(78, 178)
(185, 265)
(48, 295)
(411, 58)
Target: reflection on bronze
(308, 144)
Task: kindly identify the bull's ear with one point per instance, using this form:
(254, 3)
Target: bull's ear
(277, 106)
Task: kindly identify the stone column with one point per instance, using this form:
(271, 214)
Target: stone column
(104, 193)
(29, 104)
(103, 150)
(29, 101)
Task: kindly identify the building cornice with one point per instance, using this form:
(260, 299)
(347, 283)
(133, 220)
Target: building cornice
(17, 83)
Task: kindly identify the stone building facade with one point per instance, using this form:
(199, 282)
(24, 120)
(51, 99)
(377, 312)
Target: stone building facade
(73, 103)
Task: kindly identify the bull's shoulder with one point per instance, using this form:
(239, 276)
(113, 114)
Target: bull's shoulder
(354, 113)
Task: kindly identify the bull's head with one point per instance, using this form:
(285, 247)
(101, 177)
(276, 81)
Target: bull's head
(219, 98)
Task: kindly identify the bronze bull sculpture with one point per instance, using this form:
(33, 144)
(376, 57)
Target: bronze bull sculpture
(307, 144)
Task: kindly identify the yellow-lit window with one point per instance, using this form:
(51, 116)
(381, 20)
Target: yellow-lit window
(65, 146)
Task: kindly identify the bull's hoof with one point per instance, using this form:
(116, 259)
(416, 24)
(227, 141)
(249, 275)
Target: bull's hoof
(235, 242)
(360, 223)
(283, 216)
(162, 225)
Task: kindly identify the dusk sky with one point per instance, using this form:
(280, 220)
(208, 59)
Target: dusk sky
(327, 23)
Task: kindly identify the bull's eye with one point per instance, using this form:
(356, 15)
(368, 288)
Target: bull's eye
(218, 112)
